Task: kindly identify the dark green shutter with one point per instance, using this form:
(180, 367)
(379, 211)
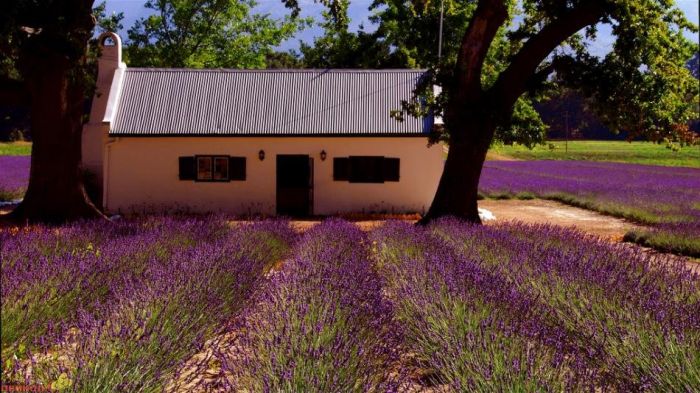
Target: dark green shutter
(391, 169)
(187, 168)
(341, 168)
(236, 168)
(366, 169)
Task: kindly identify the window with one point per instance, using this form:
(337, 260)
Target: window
(366, 169)
(204, 169)
(220, 168)
(212, 168)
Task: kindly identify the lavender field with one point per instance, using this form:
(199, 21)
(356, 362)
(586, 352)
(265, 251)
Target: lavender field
(666, 198)
(124, 307)
(14, 177)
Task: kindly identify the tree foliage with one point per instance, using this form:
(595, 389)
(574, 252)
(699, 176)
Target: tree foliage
(206, 34)
(339, 47)
(107, 22)
(412, 28)
(641, 86)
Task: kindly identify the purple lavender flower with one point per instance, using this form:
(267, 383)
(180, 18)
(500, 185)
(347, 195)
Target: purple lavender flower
(322, 323)
(14, 176)
(665, 197)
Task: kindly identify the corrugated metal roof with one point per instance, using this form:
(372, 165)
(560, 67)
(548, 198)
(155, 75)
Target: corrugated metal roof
(264, 102)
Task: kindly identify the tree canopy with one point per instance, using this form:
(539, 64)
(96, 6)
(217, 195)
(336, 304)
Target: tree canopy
(538, 48)
(641, 86)
(206, 34)
(339, 47)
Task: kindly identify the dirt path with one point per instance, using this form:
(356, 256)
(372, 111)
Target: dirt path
(493, 156)
(538, 211)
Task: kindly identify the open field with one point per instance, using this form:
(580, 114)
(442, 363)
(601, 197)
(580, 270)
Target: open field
(666, 198)
(615, 151)
(15, 148)
(133, 305)
(14, 177)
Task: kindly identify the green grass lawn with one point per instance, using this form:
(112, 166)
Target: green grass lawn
(618, 151)
(15, 149)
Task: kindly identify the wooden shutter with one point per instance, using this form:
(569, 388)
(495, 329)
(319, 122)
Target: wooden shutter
(187, 168)
(391, 169)
(366, 169)
(341, 168)
(236, 168)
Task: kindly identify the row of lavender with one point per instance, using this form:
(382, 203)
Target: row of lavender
(469, 308)
(14, 177)
(507, 308)
(119, 306)
(667, 198)
(538, 308)
(321, 325)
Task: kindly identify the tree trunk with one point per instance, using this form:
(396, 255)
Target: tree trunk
(459, 185)
(56, 193)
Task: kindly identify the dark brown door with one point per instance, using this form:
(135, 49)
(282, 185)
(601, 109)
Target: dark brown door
(295, 185)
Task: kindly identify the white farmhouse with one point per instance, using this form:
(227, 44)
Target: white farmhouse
(291, 142)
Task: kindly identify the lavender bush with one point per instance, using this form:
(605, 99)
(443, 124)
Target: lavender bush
(322, 324)
(541, 308)
(97, 307)
(120, 306)
(14, 177)
(470, 328)
(635, 317)
(668, 198)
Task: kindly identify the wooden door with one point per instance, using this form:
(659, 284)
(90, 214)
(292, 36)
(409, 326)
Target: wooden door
(294, 185)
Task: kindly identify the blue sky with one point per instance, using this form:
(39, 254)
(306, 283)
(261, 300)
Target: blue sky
(359, 14)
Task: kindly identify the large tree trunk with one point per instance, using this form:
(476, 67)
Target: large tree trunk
(56, 193)
(472, 114)
(459, 185)
(51, 56)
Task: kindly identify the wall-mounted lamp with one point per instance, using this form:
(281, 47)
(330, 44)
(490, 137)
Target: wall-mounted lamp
(261, 155)
(323, 155)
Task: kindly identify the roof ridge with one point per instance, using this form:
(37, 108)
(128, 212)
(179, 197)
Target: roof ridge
(280, 70)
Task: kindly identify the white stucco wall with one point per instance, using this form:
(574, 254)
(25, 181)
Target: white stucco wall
(141, 174)
(109, 75)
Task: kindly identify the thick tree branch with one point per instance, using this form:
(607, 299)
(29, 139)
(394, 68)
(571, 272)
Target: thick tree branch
(539, 77)
(488, 17)
(513, 82)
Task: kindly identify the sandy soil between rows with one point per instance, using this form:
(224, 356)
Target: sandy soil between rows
(539, 211)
